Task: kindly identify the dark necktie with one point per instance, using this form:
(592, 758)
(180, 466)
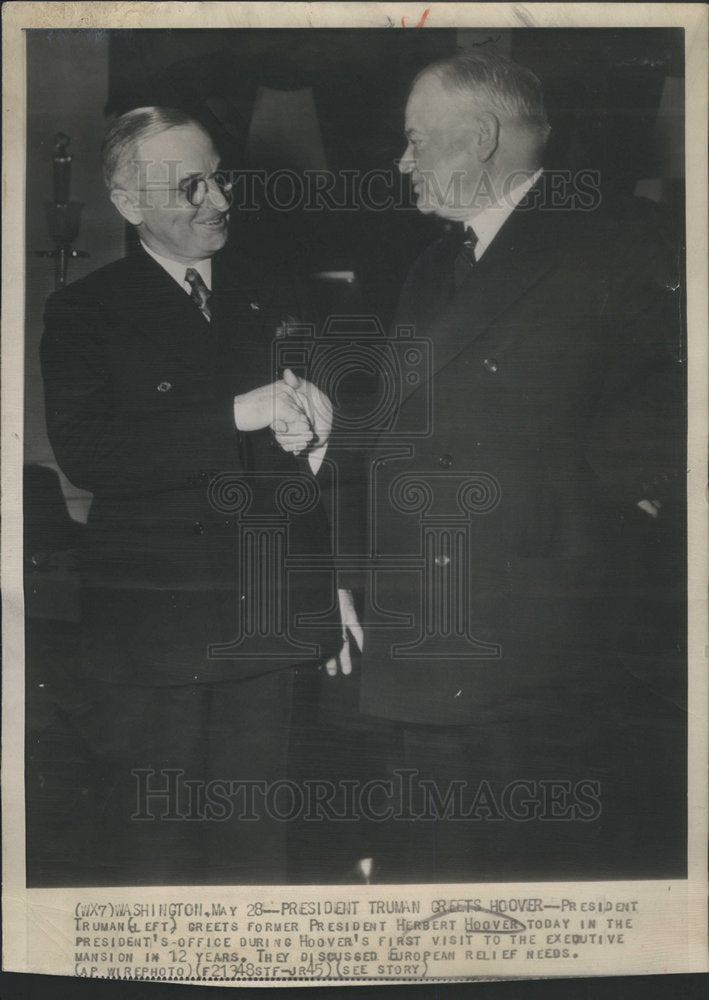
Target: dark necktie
(200, 293)
(465, 260)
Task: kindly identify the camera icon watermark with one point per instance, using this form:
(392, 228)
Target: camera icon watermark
(365, 372)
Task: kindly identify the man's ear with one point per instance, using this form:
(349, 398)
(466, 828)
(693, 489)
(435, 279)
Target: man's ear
(127, 205)
(488, 136)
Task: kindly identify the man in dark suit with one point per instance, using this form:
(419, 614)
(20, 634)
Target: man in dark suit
(206, 575)
(523, 508)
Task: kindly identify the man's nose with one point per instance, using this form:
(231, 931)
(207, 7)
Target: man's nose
(406, 163)
(216, 196)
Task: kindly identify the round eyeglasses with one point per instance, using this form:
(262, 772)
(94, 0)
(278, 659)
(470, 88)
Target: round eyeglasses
(195, 189)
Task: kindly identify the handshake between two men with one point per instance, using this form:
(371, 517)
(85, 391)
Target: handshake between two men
(298, 413)
(300, 417)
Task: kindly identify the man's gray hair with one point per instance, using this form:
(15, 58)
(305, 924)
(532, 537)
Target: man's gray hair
(498, 83)
(133, 128)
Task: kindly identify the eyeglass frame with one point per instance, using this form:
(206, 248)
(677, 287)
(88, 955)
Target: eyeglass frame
(198, 179)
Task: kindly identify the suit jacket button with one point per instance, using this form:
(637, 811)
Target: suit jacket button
(164, 386)
(491, 365)
(198, 528)
(445, 461)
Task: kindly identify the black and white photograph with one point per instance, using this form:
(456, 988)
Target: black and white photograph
(352, 557)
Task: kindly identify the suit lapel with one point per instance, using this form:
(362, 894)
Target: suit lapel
(167, 316)
(522, 252)
(246, 305)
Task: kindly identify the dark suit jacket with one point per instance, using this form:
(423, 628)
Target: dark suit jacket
(139, 390)
(504, 519)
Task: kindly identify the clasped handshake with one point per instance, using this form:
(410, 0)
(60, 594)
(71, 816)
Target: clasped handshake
(298, 413)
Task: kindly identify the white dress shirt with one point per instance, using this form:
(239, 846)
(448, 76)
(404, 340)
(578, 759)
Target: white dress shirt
(487, 224)
(177, 270)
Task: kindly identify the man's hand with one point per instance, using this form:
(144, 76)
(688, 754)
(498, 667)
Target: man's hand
(315, 404)
(278, 406)
(350, 628)
(319, 410)
(297, 412)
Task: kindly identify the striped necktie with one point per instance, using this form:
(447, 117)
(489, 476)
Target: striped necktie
(200, 293)
(465, 260)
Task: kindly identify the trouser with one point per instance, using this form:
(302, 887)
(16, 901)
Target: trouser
(571, 795)
(588, 782)
(185, 773)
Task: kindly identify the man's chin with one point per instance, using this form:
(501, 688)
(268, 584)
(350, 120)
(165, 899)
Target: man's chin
(444, 212)
(425, 207)
(215, 241)
(428, 206)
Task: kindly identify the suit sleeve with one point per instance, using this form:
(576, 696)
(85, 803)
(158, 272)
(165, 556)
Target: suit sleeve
(637, 440)
(101, 445)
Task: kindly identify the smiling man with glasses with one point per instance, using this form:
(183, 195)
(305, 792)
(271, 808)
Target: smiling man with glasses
(159, 380)
(165, 185)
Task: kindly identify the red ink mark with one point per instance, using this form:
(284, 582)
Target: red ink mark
(421, 22)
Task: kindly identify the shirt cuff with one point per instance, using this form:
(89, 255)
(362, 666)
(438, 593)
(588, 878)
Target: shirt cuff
(315, 458)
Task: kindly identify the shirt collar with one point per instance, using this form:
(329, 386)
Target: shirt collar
(487, 224)
(176, 270)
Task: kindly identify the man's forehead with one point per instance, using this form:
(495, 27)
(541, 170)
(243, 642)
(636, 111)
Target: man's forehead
(188, 146)
(430, 103)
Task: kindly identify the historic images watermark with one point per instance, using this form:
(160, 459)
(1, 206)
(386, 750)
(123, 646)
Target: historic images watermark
(170, 795)
(380, 189)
